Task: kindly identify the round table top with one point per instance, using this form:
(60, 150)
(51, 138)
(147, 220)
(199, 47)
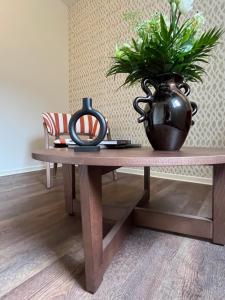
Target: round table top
(133, 157)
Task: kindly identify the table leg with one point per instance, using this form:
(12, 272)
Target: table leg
(145, 199)
(69, 187)
(91, 212)
(147, 180)
(219, 204)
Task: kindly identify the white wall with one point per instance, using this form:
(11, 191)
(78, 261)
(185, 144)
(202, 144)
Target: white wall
(33, 76)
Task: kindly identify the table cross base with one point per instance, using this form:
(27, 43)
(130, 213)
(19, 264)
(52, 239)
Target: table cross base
(100, 251)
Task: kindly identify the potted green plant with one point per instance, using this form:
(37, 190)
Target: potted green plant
(166, 54)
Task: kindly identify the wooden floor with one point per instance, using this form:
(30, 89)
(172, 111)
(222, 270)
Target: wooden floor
(41, 254)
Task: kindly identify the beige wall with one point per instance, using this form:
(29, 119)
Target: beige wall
(33, 75)
(95, 27)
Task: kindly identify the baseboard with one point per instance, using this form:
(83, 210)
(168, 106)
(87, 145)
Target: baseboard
(26, 170)
(22, 170)
(177, 177)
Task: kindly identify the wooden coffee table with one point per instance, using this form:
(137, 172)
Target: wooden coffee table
(98, 251)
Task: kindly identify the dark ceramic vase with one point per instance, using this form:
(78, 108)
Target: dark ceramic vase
(87, 109)
(168, 114)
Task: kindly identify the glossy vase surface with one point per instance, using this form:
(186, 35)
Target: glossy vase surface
(167, 115)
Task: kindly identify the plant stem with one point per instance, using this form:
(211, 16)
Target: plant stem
(171, 14)
(174, 17)
(178, 19)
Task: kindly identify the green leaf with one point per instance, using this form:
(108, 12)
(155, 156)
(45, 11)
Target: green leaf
(164, 31)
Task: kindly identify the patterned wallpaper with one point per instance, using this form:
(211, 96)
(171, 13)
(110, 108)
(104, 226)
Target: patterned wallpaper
(95, 27)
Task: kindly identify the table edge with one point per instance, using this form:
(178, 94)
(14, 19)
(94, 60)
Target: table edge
(129, 161)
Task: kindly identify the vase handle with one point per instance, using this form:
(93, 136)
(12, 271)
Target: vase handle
(147, 99)
(194, 107)
(194, 111)
(186, 88)
(136, 102)
(145, 88)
